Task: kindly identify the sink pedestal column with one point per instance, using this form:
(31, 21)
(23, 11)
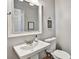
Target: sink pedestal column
(36, 56)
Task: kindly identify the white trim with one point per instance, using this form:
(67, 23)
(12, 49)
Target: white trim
(24, 34)
(40, 18)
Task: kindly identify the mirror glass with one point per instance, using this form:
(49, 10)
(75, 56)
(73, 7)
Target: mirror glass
(26, 17)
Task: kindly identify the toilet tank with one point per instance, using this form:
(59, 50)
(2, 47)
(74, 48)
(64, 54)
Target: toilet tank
(52, 42)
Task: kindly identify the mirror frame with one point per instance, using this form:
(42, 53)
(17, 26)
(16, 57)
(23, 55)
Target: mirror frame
(10, 35)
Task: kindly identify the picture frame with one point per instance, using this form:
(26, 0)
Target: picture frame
(30, 25)
(49, 23)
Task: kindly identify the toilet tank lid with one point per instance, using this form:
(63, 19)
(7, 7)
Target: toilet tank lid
(50, 39)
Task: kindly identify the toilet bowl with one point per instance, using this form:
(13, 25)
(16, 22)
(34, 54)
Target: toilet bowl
(57, 54)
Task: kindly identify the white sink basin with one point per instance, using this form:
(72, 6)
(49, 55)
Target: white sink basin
(26, 47)
(24, 51)
(29, 46)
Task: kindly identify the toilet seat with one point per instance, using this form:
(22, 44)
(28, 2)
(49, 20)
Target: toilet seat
(61, 54)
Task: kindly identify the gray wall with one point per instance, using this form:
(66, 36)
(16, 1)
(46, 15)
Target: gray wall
(48, 11)
(63, 24)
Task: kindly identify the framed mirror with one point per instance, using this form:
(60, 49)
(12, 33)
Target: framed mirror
(26, 18)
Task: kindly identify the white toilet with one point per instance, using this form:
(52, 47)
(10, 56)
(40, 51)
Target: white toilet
(58, 54)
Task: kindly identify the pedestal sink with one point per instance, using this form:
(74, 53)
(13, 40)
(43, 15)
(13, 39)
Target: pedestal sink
(24, 51)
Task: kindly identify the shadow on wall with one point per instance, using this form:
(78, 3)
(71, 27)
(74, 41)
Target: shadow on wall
(58, 47)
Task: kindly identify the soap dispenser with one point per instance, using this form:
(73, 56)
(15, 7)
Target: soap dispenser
(36, 39)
